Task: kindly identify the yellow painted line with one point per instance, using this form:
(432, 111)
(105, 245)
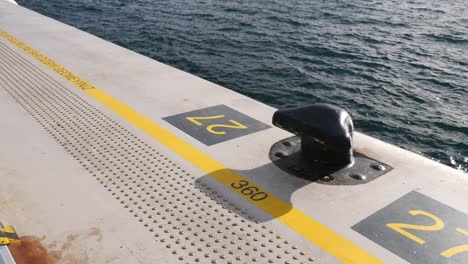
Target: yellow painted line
(336, 245)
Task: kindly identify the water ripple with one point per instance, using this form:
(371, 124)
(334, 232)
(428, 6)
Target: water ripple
(400, 67)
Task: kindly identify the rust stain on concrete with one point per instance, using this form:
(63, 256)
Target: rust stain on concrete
(95, 232)
(32, 251)
(69, 242)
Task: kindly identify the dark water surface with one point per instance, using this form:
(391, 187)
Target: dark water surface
(400, 67)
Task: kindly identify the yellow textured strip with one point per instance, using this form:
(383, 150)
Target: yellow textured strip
(336, 245)
(10, 232)
(4, 240)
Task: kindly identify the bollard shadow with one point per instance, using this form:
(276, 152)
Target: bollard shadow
(268, 177)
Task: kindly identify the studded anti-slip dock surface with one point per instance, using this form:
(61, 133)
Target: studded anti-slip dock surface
(193, 224)
(109, 157)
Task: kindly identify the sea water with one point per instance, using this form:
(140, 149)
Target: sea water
(399, 67)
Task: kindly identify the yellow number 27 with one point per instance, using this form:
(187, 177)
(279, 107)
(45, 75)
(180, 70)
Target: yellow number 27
(213, 128)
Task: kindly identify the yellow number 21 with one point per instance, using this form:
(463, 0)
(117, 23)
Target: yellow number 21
(438, 225)
(400, 227)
